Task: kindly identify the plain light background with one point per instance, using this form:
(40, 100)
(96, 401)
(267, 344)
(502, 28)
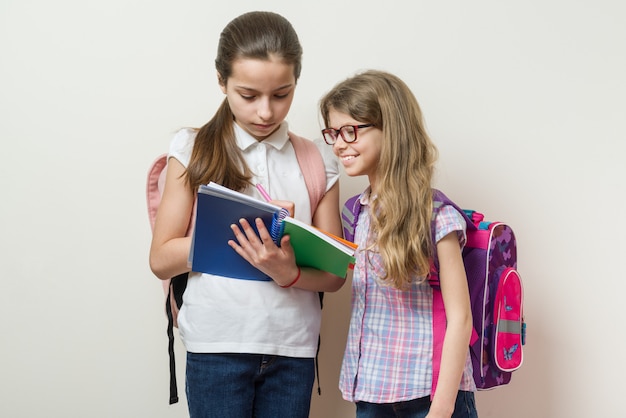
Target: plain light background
(525, 100)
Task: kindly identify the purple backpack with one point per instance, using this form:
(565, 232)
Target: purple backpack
(496, 294)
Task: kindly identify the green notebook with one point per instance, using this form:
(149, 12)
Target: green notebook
(318, 249)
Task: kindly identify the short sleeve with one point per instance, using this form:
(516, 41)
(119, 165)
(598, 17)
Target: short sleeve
(182, 145)
(331, 163)
(449, 220)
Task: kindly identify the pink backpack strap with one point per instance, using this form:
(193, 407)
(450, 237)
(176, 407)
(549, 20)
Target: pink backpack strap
(439, 333)
(154, 186)
(312, 166)
(439, 311)
(154, 190)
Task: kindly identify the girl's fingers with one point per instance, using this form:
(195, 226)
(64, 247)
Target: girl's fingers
(290, 206)
(263, 232)
(261, 251)
(248, 232)
(249, 235)
(238, 234)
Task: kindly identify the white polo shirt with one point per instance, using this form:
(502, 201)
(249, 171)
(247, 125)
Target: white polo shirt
(221, 314)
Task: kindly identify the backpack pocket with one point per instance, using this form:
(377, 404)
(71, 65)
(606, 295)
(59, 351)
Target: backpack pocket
(508, 322)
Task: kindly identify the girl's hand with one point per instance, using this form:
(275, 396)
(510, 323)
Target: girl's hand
(279, 263)
(290, 206)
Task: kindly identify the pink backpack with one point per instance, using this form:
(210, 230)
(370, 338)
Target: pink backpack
(314, 172)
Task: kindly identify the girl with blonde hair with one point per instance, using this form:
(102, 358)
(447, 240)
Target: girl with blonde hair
(376, 128)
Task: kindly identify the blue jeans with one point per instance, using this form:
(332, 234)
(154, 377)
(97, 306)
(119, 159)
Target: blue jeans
(465, 407)
(224, 385)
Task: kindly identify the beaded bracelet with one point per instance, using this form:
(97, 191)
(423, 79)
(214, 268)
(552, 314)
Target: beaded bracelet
(294, 280)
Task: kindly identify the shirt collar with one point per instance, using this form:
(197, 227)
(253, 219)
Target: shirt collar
(278, 139)
(366, 197)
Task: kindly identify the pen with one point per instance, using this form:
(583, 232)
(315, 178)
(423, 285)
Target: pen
(263, 192)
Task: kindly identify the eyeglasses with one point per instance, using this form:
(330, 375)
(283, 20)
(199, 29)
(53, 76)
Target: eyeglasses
(347, 132)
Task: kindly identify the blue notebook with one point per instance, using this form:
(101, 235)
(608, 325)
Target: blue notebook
(217, 209)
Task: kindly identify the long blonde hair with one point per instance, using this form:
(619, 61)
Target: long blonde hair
(401, 213)
(256, 35)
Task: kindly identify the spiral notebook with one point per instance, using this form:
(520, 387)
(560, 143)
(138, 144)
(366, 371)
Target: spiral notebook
(219, 207)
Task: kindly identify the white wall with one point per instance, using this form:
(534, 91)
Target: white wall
(526, 101)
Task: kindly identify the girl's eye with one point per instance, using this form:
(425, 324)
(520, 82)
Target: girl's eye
(253, 96)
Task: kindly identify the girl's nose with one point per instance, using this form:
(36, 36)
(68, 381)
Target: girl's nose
(339, 144)
(264, 110)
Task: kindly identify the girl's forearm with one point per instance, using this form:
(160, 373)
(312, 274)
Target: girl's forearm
(319, 281)
(170, 259)
(453, 359)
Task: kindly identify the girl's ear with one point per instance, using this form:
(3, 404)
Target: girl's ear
(221, 82)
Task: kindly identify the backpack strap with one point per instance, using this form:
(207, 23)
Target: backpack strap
(314, 172)
(350, 216)
(154, 186)
(312, 166)
(439, 311)
(440, 200)
(175, 286)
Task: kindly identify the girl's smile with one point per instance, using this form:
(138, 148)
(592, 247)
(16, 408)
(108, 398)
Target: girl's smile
(361, 156)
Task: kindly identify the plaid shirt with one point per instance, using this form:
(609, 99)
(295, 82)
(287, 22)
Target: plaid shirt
(388, 356)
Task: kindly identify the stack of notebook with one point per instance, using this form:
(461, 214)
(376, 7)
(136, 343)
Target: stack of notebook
(219, 207)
